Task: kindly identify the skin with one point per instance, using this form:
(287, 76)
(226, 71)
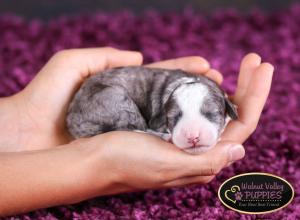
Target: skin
(41, 166)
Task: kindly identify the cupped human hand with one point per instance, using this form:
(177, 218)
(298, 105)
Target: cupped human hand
(254, 83)
(140, 161)
(41, 107)
(132, 161)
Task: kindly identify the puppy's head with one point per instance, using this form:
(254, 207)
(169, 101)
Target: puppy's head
(197, 113)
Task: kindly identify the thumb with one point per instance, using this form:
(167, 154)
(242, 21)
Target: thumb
(88, 61)
(68, 68)
(211, 162)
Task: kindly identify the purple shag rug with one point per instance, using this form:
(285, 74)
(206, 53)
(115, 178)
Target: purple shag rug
(223, 38)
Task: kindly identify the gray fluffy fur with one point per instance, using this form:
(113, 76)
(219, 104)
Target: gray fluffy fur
(129, 98)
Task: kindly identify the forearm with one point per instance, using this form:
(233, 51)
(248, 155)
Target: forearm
(37, 179)
(8, 124)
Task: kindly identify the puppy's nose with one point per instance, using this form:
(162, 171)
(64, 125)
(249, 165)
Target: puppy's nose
(193, 140)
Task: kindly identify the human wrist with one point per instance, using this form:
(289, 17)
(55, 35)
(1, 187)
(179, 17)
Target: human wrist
(96, 176)
(103, 171)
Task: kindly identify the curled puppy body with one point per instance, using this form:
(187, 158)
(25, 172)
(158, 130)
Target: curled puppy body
(191, 111)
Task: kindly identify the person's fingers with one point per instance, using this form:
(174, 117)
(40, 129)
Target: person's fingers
(189, 180)
(208, 163)
(214, 75)
(250, 108)
(196, 65)
(248, 65)
(193, 64)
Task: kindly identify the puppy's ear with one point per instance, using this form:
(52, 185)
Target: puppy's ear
(230, 109)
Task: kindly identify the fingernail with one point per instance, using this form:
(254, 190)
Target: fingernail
(236, 152)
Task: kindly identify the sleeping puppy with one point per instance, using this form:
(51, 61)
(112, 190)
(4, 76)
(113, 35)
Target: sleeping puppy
(190, 111)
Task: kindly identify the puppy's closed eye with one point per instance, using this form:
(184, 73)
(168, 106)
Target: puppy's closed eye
(212, 116)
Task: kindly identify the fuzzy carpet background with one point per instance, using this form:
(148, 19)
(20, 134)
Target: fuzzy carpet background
(223, 38)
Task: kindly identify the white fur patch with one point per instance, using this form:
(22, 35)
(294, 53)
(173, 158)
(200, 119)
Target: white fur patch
(174, 84)
(190, 98)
